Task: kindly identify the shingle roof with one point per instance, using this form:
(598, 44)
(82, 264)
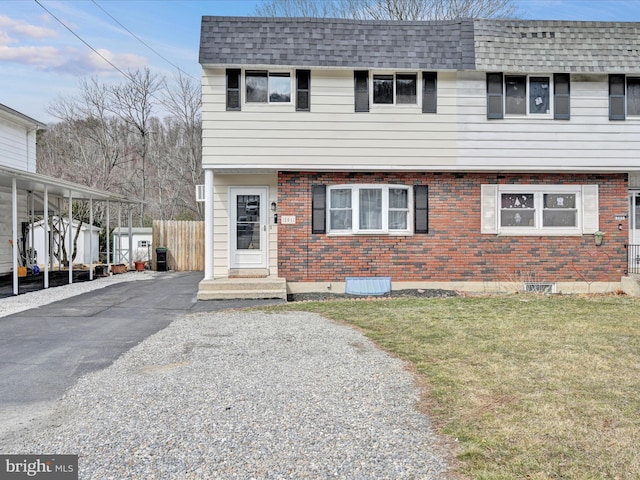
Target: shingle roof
(322, 42)
(557, 46)
(463, 44)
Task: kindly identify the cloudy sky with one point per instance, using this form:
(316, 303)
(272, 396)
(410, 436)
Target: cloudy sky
(48, 46)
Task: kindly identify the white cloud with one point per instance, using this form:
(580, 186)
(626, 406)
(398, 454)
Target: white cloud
(20, 27)
(124, 61)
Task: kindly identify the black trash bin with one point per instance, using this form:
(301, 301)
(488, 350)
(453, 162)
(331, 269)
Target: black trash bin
(161, 259)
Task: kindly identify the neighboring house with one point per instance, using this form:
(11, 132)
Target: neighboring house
(141, 238)
(26, 197)
(480, 155)
(87, 248)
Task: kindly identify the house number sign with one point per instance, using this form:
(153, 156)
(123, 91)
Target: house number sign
(288, 219)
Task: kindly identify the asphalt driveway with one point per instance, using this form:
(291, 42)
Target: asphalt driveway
(45, 350)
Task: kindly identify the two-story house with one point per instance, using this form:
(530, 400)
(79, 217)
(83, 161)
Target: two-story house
(479, 155)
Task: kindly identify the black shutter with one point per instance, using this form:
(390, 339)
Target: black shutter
(318, 209)
(421, 208)
(429, 92)
(616, 97)
(561, 96)
(494, 95)
(361, 90)
(233, 89)
(303, 90)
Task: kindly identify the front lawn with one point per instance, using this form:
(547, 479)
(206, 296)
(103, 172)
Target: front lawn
(531, 387)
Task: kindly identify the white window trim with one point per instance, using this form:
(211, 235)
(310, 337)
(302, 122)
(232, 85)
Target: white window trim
(586, 205)
(268, 71)
(394, 105)
(355, 209)
(527, 90)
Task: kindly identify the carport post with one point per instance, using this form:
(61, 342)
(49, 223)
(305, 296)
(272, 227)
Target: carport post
(14, 232)
(129, 222)
(47, 247)
(70, 250)
(106, 236)
(90, 238)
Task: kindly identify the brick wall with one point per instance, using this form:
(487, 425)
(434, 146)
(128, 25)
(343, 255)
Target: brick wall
(454, 249)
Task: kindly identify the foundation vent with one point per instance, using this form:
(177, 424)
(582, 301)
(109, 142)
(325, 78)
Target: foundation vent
(540, 287)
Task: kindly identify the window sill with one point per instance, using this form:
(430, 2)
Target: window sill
(370, 234)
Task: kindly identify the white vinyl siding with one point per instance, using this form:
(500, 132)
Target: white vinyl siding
(458, 137)
(17, 146)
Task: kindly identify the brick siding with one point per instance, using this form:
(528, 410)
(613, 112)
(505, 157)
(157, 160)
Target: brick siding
(454, 249)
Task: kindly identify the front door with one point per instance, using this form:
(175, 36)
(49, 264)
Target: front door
(248, 227)
(634, 231)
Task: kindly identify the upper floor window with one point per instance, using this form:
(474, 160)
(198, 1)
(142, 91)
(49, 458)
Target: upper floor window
(394, 89)
(399, 88)
(528, 95)
(268, 87)
(624, 97)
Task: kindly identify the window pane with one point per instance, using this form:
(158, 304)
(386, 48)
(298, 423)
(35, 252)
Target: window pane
(383, 89)
(398, 198)
(406, 88)
(539, 95)
(633, 96)
(340, 219)
(256, 86)
(370, 209)
(341, 198)
(517, 200)
(559, 218)
(560, 200)
(515, 95)
(279, 88)
(559, 210)
(398, 220)
(340, 216)
(517, 218)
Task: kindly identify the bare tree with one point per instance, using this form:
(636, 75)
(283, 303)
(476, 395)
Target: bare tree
(133, 103)
(389, 9)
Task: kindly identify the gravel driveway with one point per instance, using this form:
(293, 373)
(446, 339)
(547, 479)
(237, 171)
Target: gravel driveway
(245, 394)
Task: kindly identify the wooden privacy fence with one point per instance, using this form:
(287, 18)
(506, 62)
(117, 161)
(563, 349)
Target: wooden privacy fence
(184, 241)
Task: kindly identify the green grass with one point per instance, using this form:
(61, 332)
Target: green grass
(532, 387)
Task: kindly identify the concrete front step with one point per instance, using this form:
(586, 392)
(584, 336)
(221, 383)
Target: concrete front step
(242, 288)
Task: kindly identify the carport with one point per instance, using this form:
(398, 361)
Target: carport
(44, 196)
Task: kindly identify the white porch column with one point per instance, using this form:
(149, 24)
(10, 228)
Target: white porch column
(14, 233)
(208, 224)
(129, 222)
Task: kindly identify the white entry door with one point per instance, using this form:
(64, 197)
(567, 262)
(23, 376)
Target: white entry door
(634, 232)
(248, 227)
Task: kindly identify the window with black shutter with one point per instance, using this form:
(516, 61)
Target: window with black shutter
(233, 89)
(494, 96)
(616, 97)
(429, 92)
(303, 90)
(318, 209)
(421, 208)
(361, 87)
(561, 96)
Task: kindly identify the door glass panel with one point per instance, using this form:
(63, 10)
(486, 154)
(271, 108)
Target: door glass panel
(636, 212)
(248, 222)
